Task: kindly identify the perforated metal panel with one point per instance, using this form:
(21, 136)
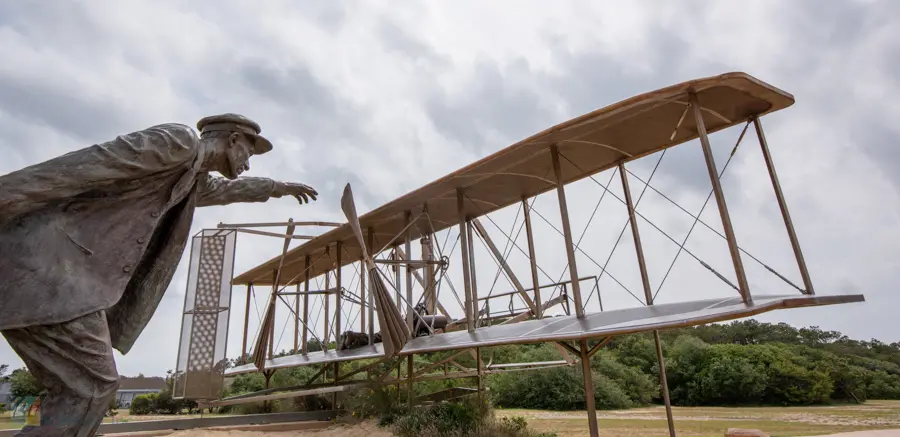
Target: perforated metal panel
(204, 326)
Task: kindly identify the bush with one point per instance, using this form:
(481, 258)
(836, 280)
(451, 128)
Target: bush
(445, 419)
(142, 405)
(468, 418)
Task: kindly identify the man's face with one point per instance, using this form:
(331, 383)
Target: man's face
(236, 156)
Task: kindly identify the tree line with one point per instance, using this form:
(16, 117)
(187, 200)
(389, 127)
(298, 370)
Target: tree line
(743, 362)
(739, 363)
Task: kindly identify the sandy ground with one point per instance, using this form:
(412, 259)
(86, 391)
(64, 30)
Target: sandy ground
(874, 433)
(366, 429)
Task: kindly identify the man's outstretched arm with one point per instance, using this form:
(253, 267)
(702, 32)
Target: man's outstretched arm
(221, 191)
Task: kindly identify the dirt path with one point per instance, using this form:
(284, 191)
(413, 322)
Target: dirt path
(366, 429)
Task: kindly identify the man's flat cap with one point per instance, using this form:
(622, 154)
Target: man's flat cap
(236, 123)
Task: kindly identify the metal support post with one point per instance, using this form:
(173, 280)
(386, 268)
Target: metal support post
(371, 303)
(664, 384)
(782, 203)
(567, 231)
(297, 320)
(743, 286)
(273, 306)
(472, 275)
(409, 278)
(464, 245)
(362, 297)
(327, 301)
(480, 370)
(589, 390)
(246, 324)
(337, 296)
(536, 286)
(399, 305)
(305, 337)
(648, 294)
(409, 381)
(397, 277)
(430, 288)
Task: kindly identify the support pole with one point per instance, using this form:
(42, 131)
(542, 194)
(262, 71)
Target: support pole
(362, 297)
(480, 369)
(567, 231)
(409, 381)
(397, 277)
(337, 296)
(246, 323)
(327, 302)
(273, 306)
(430, 288)
(409, 279)
(305, 338)
(648, 294)
(743, 286)
(297, 320)
(782, 203)
(589, 390)
(536, 286)
(371, 303)
(397, 300)
(464, 244)
(472, 275)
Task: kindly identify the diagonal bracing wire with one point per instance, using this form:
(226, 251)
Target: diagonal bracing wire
(655, 227)
(588, 256)
(627, 221)
(581, 237)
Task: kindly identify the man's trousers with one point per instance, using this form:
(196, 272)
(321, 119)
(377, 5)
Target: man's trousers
(75, 363)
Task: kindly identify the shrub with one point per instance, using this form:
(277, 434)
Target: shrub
(142, 404)
(445, 419)
(470, 417)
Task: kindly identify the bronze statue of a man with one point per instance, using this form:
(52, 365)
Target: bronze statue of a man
(90, 240)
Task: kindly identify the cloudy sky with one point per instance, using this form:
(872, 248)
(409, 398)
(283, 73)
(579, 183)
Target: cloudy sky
(389, 98)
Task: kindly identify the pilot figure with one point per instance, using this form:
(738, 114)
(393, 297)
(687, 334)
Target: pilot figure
(90, 240)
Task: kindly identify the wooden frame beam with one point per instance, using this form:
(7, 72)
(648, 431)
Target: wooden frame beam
(743, 285)
(782, 204)
(567, 231)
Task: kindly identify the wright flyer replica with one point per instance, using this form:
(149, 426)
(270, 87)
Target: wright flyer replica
(402, 279)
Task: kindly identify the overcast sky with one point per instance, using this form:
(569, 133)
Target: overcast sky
(390, 98)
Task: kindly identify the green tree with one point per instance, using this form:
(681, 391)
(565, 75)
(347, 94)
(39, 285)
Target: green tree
(24, 384)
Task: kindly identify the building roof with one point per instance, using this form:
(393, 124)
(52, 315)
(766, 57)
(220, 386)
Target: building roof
(142, 383)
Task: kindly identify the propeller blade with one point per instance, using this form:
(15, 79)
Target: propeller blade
(349, 208)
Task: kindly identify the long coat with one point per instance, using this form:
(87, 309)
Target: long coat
(104, 227)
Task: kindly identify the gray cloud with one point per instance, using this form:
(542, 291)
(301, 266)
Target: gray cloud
(496, 100)
(390, 100)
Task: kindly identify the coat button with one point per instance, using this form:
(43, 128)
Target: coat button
(127, 268)
(141, 240)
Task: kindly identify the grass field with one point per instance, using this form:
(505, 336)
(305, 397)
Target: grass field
(709, 421)
(689, 421)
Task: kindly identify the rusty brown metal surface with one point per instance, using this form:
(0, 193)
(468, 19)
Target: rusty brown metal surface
(571, 328)
(599, 140)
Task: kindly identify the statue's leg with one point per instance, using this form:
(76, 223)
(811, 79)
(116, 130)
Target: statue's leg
(75, 363)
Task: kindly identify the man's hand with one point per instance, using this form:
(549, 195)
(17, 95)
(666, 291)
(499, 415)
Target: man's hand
(300, 191)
